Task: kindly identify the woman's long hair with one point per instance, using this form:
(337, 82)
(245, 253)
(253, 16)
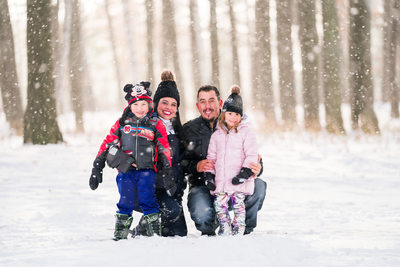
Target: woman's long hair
(177, 125)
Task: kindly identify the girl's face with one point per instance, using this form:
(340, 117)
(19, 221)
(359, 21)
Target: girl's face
(232, 118)
(167, 108)
(140, 108)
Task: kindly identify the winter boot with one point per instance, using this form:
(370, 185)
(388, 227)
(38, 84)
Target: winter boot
(122, 224)
(238, 229)
(153, 224)
(140, 229)
(225, 229)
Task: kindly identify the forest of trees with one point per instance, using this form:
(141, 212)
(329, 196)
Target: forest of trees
(203, 42)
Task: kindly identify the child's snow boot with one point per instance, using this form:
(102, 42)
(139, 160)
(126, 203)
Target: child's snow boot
(153, 224)
(140, 229)
(225, 229)
(238, 229)
(122, 224)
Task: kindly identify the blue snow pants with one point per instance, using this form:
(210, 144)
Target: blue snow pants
(137, 185)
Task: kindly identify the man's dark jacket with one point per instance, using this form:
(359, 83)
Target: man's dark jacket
(196, 138)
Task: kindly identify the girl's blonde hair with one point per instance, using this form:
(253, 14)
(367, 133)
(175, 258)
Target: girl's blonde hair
(223, 123)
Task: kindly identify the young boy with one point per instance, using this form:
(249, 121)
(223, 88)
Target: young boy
(134, 144)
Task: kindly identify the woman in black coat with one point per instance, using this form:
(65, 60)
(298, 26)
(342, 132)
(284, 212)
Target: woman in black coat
(166, 103)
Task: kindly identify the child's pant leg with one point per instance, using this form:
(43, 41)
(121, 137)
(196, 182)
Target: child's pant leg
(146, 188)
(127, 190)
(239, 209)
(221, 207)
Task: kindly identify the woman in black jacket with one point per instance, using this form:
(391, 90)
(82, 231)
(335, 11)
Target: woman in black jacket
(166, 103)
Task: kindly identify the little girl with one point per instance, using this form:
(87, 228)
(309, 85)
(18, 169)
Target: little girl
(133, 145)
(232, 148)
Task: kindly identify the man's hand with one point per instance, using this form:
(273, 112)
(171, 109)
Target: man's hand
(205, 165)
(256, 167)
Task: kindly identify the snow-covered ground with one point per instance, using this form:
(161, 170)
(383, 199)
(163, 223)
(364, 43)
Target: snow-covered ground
(331, 201)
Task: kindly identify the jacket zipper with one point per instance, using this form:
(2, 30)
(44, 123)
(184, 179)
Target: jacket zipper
(226, 144)
(137, 129)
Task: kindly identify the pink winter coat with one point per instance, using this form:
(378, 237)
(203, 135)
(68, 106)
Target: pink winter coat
(230, 152)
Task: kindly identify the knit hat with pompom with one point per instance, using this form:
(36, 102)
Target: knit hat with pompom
(166, 88)
(234, 102)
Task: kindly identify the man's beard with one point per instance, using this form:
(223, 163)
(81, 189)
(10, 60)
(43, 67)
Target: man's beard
(210, 120)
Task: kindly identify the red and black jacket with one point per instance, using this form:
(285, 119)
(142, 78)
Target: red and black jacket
(145, 139)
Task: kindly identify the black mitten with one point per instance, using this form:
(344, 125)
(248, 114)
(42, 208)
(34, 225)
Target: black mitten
(95, 178)
(116, 158)
(126, 164)
(168, 178)
(244, 174)
(209, 180)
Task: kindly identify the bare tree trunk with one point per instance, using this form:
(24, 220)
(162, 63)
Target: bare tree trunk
(253, 52)
(360, 69)
(343, 22)
(331, 64)
(76, 67)
(387, 50)
(309, 57)
(149, 23)
(56, 46)
(40, 119)
(114, 51)
(262, 62)
(234, 45)
(391, 63)
(129, 35)
(194, 30)
(11, 97)
(87, 93)
(169, 23)
(166, 47)
(61, 74)
(214, 45)
(285, 58)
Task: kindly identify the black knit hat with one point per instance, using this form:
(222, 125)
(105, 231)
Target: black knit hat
(138, 92)
(234, 102)
(166, 88)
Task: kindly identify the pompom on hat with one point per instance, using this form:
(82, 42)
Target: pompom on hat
(166, 88)
(234, 101)
(138, 92)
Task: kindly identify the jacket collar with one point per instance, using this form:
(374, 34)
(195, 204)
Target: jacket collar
(132, 118)
(207, 123)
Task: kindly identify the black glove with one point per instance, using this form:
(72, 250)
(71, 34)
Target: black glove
(116, 158)
(168, 178)
(95, 178)
(209, 180)
(244, 174)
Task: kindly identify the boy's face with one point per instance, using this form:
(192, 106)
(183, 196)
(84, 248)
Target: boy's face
(140, 108)
(209, 105)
